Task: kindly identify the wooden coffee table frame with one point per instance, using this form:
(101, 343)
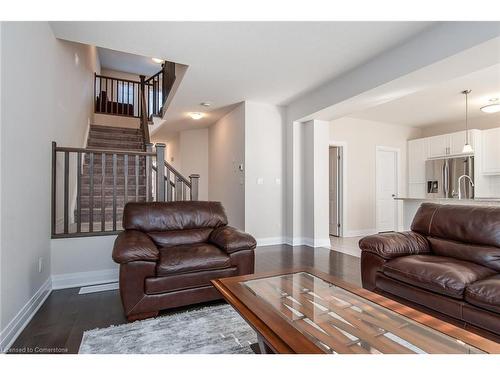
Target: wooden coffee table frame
(277, 335)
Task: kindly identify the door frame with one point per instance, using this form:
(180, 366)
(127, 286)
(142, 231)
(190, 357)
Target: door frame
(343, 193)
(397, 206)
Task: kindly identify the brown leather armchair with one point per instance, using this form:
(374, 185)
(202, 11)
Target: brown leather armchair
(449, 263)
(169, 252)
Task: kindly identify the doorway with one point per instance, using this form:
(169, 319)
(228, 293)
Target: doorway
(335, 190)
(387, 188)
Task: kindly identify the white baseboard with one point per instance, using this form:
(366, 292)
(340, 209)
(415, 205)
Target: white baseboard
(77, 279)
(306, 241)
(24, 316)
(270, 241)
(360, 232)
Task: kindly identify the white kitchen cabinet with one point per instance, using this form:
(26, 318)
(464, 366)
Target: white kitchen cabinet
(439, 145)
(457, 142)
(491, 151)
(418, 153)
(449, 144)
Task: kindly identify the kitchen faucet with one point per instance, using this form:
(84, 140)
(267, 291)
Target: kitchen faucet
(460, 185)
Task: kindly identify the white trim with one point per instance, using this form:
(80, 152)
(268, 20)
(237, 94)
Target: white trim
(98, 288)
(360, 232)
(343, 226)
(13, 329)
(397, 210)
(270, 241)
(78, 279)
(306, 241)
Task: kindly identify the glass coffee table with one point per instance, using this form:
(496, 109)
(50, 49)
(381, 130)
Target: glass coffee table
(307, 311)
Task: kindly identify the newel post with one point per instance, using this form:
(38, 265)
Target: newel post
(53, 189)
(194, 178)
(160, 172)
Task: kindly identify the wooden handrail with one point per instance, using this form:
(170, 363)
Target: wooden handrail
(116, 79)
(153, 77)
(176, 174)
(104, 151)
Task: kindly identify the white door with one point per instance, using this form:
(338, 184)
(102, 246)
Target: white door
(387, 189)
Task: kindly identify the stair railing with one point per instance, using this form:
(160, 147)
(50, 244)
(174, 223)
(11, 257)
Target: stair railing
(141, 99)
(113, 178)
(117, 96)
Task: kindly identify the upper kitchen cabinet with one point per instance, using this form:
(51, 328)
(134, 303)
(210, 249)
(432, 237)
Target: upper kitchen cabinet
(439, 145)
(491, 151)
(449, 144)
(418, 153)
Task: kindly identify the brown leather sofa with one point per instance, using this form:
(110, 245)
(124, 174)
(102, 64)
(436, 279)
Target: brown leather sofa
(169, 252)
(449, 263)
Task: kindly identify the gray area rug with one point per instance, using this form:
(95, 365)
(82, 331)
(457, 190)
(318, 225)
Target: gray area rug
(209, 330)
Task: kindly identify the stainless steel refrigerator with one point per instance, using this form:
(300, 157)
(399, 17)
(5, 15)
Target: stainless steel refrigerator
(442, 177)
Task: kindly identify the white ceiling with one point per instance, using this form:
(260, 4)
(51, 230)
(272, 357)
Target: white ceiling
(442, 103)
(229, 62)
(127, 62)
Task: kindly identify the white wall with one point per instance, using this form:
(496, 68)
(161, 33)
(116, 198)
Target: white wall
(226, 183)
(194, 157)
(50, 85)
(79, 261)
(362, 137)
(310, 206)
(264, 160)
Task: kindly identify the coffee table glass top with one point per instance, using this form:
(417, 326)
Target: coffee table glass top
(338, 321)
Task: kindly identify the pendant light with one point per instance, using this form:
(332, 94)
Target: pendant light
(467, 147)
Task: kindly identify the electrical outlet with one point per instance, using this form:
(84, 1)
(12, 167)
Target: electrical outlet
(40, 265)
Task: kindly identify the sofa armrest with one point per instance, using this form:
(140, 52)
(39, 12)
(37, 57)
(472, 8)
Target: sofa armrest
(231, 239)
(132, 245)
(395, 244)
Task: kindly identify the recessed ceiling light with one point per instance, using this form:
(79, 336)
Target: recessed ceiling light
(205, 104)
(157, 60)
(195, 115)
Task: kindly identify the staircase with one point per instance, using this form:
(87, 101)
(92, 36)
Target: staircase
(102, 197)
(90, 186)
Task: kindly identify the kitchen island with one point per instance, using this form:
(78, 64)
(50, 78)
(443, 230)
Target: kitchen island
(411, 205)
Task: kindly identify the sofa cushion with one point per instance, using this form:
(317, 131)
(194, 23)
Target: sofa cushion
(438, 274)
(180, 237)
(487, 256)
(478, 225)
(189, 258)
(485, 294)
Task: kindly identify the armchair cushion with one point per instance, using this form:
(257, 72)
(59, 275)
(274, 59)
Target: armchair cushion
(395, 244)
(191, 258)
(132, 245)
(231, 239)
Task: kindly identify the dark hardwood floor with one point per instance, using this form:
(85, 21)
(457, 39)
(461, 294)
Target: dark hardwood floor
(59, 324)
